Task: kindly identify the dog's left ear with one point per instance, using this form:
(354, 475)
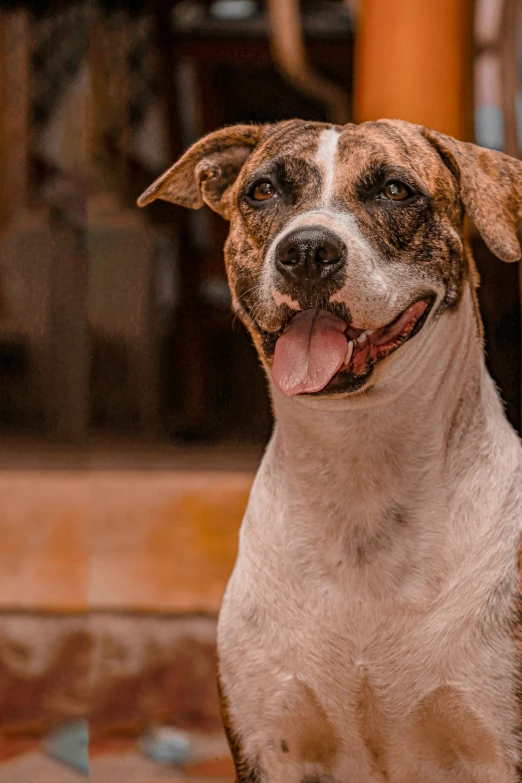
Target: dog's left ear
(490, 189)
(207, 171)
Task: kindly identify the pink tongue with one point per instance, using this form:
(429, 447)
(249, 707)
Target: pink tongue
(309, 353)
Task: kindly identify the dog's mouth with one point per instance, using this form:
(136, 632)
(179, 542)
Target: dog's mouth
(317, 352)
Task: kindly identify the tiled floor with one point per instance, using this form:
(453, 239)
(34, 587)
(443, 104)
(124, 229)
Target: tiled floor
(112, 768)
(134, 540)
(134, 768)
(124, 764)
(35, 766)
(130, 538)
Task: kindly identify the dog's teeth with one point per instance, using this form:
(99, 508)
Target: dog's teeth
(349, 352)
(370, 331)
(361, 338)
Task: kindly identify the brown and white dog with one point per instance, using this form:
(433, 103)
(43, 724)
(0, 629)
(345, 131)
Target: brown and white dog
(371, 629)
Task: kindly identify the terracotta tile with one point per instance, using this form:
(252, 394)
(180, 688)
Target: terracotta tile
(111, 745)
(44, 561)
(44, 670)
(146, 540)
(127, 673)
(36, 767)
(217, 768)
(164, 541)
(11, 747)
(153, 671)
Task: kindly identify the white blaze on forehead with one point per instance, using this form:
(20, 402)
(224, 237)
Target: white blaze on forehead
(325, 159)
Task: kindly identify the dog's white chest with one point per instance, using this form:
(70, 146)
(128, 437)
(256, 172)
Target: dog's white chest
(347, 670)
(344, 688)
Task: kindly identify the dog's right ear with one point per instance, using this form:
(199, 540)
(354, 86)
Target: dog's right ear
(208, 170)
(490, 185)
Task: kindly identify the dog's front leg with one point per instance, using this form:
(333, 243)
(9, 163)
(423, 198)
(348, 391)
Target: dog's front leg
(286, 739)
(246, 771)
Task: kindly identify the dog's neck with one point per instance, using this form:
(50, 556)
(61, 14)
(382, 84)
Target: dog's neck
(424, 404)
(380, 473)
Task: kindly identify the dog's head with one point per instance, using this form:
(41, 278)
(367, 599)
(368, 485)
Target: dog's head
(345, 243)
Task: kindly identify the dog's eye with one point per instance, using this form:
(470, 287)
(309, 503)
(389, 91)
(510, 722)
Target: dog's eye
(262, 191)
(396, 191)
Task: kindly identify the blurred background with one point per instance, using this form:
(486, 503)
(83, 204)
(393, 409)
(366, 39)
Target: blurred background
(133, 411)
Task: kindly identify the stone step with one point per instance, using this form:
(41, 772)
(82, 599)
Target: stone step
(124, 673)
(136, 539)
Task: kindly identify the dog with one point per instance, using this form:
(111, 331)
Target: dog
(371, 629)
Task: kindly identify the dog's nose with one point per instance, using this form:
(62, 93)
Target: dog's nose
(310, 255)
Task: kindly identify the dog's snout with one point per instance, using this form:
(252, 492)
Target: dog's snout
(310, 255)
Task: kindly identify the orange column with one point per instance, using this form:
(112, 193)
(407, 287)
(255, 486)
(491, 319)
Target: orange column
(413, 62)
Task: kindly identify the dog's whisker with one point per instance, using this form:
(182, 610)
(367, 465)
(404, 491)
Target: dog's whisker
(256, 287)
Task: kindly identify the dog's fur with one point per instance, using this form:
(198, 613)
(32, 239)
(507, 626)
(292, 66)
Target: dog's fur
(371, 628)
